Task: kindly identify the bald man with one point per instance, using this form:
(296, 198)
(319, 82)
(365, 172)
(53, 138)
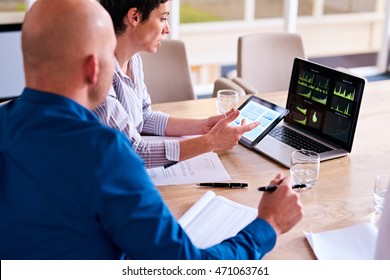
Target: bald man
(66, 54)
(65, 187)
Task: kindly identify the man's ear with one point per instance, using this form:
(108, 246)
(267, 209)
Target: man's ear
(91, 69)
(133, 17)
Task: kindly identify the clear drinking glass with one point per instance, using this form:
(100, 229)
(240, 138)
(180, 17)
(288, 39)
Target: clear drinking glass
(381, 185)
(305, 167)
(226, 100)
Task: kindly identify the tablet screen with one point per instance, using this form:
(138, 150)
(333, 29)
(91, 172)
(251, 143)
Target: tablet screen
(257, 109)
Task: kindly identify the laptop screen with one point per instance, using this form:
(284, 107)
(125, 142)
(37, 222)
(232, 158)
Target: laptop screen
(324, 102)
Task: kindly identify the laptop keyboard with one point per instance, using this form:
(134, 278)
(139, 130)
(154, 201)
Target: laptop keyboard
(296, 140)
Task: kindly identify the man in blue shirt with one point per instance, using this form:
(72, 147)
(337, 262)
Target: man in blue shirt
(65, 187)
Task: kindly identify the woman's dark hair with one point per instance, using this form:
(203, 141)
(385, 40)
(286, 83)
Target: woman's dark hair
(118, 10)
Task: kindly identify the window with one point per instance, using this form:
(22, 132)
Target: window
(268, 9)
(348, 6)
(192, 11)
(12, 11)
(12, 6)
(210, 28)
(275, 8)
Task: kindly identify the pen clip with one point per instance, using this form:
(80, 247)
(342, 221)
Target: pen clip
(238, 186)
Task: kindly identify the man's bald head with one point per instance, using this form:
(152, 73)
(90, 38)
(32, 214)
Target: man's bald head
(57, 38)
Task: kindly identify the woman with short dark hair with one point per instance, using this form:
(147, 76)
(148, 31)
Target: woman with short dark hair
(140, 25)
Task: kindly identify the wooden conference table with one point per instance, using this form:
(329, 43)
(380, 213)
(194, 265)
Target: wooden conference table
(343, 195)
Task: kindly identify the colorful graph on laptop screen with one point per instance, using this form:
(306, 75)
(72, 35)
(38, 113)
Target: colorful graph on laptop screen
(324, 101)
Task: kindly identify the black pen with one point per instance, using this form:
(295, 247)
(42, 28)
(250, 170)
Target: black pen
(225, 185)
(273, 188)
(170, 164)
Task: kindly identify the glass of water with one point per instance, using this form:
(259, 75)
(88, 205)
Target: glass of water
(381, 185)
(305, 167)
(226, 100)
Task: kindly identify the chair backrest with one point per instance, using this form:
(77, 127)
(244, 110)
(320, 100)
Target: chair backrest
(167, 73)
(265, 60)
(225, 83)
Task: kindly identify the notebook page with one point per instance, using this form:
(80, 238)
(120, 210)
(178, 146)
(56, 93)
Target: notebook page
(220, 219)
(196, 208)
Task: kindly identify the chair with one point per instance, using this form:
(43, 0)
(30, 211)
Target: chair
(224, 83)
(264, 61)
(167, 74)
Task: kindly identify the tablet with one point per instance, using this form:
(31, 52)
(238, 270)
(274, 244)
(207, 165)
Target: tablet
(257, 109)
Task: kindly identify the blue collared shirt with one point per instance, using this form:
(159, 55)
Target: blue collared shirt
(71, 188)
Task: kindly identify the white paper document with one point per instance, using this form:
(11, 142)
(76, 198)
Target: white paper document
(203, 168)
(355, 242)
(213, 219)
(383, 242)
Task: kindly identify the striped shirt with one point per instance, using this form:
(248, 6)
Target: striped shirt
(128, 109)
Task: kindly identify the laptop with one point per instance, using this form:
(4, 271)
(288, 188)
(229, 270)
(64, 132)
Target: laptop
(323, 106)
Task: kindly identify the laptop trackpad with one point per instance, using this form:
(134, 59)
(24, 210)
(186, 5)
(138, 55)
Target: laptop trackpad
(275, 150)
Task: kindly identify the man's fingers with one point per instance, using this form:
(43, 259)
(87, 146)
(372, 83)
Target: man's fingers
(283, 182)
(277, 180)
(289, 181)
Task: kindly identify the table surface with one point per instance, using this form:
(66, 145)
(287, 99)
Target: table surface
(344, 192)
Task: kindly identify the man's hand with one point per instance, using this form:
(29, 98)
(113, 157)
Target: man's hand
(281, 208)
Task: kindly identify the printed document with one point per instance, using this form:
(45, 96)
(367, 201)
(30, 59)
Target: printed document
(355, 242)
(203, 168)
(213, 219)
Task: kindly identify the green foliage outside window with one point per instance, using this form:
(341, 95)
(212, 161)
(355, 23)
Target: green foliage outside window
(189, 14)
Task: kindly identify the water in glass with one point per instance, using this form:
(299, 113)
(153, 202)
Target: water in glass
(379, 200)
(305, 173)
(226, 100)
(382, 183)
